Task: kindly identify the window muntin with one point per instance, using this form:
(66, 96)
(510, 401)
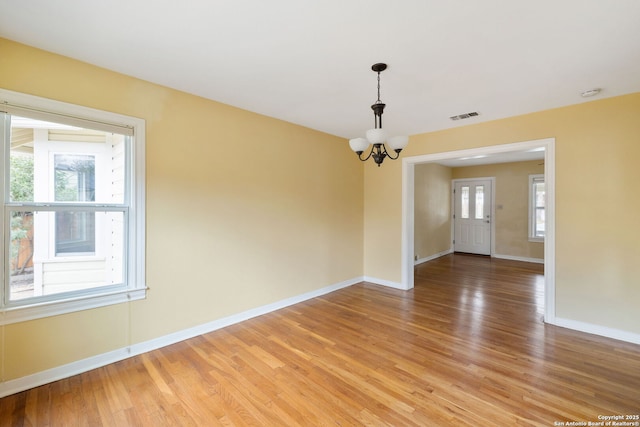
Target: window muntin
(537, 196)
(74, 207)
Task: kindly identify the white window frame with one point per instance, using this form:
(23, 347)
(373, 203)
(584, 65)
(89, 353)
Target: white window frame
(134, 287)
(534, 179)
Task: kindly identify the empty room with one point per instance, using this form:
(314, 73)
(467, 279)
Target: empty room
(207, 221)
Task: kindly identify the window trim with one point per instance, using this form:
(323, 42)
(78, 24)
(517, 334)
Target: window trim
(62, 112)
(533, 179)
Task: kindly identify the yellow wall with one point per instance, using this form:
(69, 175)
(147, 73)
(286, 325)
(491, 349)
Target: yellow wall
(597, 234)
(242, 211)
(432, 210)
(511, 205)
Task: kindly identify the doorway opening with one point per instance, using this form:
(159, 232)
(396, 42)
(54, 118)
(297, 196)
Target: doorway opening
(408, 221)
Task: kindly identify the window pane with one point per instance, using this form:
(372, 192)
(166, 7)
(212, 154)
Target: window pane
(21, 255)
(74, 178)
(539, 193)
(464, 202)
(479, 201)
(52, 162)
(21, 176)
(537, 207)
(75, 233)
(42, 262)
(539, 222)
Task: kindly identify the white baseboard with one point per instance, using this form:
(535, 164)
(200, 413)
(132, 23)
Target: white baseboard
(80, 366)
(597, 330)
(34, 380)
(236, 318)
(61, 372)
(432, 257)
(384, 282)
(519, 258)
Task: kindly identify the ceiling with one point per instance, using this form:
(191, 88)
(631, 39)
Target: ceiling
(308, 62)
(490, 158)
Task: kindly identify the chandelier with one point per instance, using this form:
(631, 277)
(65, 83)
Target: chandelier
(377, 137)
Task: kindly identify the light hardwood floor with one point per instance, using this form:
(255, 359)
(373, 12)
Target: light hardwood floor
(467, 346)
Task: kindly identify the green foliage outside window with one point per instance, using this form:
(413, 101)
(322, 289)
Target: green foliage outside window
(21, 190)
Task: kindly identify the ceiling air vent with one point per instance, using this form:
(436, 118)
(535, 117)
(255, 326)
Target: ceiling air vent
(464, 116)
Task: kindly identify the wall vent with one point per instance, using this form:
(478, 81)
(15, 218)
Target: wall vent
(464, 116)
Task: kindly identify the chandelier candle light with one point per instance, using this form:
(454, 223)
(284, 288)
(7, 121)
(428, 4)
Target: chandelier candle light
(377, 136)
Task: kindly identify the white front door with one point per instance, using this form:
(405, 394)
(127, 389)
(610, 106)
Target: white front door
(472, 216)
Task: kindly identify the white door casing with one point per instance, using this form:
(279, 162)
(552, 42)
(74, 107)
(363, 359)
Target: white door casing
(472, 215)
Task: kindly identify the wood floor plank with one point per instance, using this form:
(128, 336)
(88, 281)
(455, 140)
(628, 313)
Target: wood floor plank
(466, 346)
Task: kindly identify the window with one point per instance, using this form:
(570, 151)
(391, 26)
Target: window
(479, 202)
(464, 199)
(73, 207)
(536, 208)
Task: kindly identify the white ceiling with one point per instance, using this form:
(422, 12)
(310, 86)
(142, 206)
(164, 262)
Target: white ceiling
(493, 158)
(308, 62)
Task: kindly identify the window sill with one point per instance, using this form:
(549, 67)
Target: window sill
(53, 308)
(536, 239)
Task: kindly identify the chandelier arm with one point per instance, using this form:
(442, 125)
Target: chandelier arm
(389, 154)
(366, 158)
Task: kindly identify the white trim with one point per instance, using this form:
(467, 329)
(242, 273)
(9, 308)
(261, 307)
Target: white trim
(79, 303)
(237, 318)
(519, 258)
(550, 231)
(408, 194)
(137, 211)
(44, 377)
(383, 282)
(408, 223)
(45, 109)
(603, 331)
(432, 257)
(80, 366)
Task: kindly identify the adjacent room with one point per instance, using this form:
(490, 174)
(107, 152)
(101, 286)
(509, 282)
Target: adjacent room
(207, 222)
